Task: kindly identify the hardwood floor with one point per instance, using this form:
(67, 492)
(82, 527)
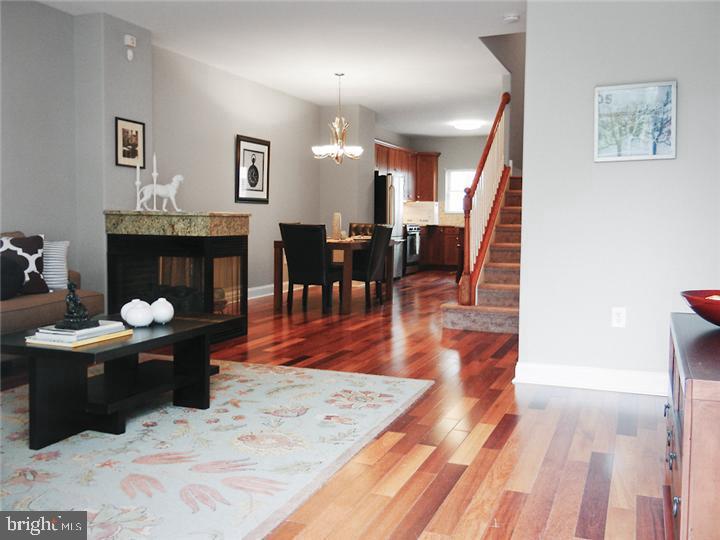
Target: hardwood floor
(476, 457)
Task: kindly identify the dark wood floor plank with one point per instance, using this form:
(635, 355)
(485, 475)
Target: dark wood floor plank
(593, 509)
(502, 431)
(505, 518)
(649, 518)
(424, 508)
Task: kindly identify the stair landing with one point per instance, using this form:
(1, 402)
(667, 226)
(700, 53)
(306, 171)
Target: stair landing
(499, 288)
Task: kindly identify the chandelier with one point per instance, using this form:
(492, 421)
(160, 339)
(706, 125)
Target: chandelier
(338, 133)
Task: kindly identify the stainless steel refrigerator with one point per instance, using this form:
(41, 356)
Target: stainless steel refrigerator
(389, 201)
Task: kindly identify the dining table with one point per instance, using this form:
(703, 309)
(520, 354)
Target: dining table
(347, 247)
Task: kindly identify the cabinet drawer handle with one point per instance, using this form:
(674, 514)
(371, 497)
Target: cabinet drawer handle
(666, 408)
(672, 456)
(676, 505)
(669, 436)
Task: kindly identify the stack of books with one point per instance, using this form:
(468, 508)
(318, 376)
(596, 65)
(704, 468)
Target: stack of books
(61, 337)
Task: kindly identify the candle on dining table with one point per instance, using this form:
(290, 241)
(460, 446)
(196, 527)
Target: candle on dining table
(154, 163)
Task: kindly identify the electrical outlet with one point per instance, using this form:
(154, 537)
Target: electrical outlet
(618, 317)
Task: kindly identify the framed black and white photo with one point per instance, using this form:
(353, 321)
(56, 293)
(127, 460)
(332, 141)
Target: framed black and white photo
(635, 121)
(252, 170)
(129, 143)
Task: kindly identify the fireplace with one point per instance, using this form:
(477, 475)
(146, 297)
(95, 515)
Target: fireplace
(201, 270)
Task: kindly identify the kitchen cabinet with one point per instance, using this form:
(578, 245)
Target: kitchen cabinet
(426, 176)
(451, 242)
(410, 189)
(381, 158)
(393, 160)
(440, 246)
(397, 161)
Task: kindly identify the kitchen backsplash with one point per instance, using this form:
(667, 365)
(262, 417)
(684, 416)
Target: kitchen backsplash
(451, 220)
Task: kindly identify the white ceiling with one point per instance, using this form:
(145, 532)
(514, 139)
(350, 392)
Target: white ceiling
(419, 65)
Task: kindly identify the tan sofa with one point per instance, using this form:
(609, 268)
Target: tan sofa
(33, 310)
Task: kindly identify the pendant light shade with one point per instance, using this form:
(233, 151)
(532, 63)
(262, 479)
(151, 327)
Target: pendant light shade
(337, 149)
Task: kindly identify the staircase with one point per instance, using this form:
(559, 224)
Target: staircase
(498, 291)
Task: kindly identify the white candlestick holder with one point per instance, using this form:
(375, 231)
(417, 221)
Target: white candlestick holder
(155, 177)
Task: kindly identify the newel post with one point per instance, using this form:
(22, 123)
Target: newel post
(464, 296)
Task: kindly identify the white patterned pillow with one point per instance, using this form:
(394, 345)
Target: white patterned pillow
(55, 268)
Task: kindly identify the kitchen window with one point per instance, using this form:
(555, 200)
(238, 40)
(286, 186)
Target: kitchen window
(456, 180)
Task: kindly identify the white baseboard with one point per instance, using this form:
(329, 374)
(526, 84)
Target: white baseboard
(654, 383)
(262, 290)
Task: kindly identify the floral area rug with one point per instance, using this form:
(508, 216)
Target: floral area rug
(272, 436)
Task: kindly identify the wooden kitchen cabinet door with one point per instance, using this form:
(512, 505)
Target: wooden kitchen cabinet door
(451, 239)
(393, 160)
(381, 159)
(426, 176)
(410, 177)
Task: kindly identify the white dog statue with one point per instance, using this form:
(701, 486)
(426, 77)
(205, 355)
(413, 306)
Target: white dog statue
(164, 191)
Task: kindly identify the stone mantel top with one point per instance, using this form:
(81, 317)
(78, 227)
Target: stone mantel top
(176, 223)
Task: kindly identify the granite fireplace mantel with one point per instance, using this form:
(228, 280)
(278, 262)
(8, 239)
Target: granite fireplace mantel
(176, 223)
(198, 261)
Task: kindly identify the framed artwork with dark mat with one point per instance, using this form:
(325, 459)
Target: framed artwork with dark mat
(129, 143)
(252, 170)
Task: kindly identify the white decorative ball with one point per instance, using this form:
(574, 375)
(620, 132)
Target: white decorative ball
(133, 303)
(162, 310)
(139, 315)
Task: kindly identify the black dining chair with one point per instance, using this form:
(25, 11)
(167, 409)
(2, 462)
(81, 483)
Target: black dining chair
(360, 258)
(361, 229)
(309, 262)
(369, 265)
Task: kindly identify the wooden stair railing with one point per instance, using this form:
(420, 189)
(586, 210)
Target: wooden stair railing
(481, 214)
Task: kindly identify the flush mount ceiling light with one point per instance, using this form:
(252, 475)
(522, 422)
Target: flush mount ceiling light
(467, 125)
(337, 149)
(511, 18)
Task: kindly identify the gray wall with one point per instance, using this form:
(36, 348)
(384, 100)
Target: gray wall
(106, 86)
(38, 165)
(197, 112)
(391, 137)
(634, 234)
(509, 49)
(455, 153)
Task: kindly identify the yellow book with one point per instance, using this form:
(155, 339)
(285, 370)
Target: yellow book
(38, 341)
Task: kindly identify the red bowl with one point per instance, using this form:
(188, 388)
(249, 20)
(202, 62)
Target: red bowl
(707, 309)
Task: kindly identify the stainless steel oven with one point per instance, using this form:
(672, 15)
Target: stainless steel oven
(412, 248)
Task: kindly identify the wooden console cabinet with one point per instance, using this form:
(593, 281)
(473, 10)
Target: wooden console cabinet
(692, 494)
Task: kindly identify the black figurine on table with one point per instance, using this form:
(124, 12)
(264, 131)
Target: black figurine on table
(76, 314)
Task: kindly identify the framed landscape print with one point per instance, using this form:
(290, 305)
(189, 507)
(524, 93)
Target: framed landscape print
(252, 170)
(635, 121)
(129, 143)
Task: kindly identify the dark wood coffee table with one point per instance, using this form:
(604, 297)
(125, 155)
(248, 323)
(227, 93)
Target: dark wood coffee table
(65, 401)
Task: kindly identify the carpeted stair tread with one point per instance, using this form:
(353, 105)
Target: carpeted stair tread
(500, 286)
(509, 227)
(512, 208)
(509, 266)
(500, 310)
(506, 245)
